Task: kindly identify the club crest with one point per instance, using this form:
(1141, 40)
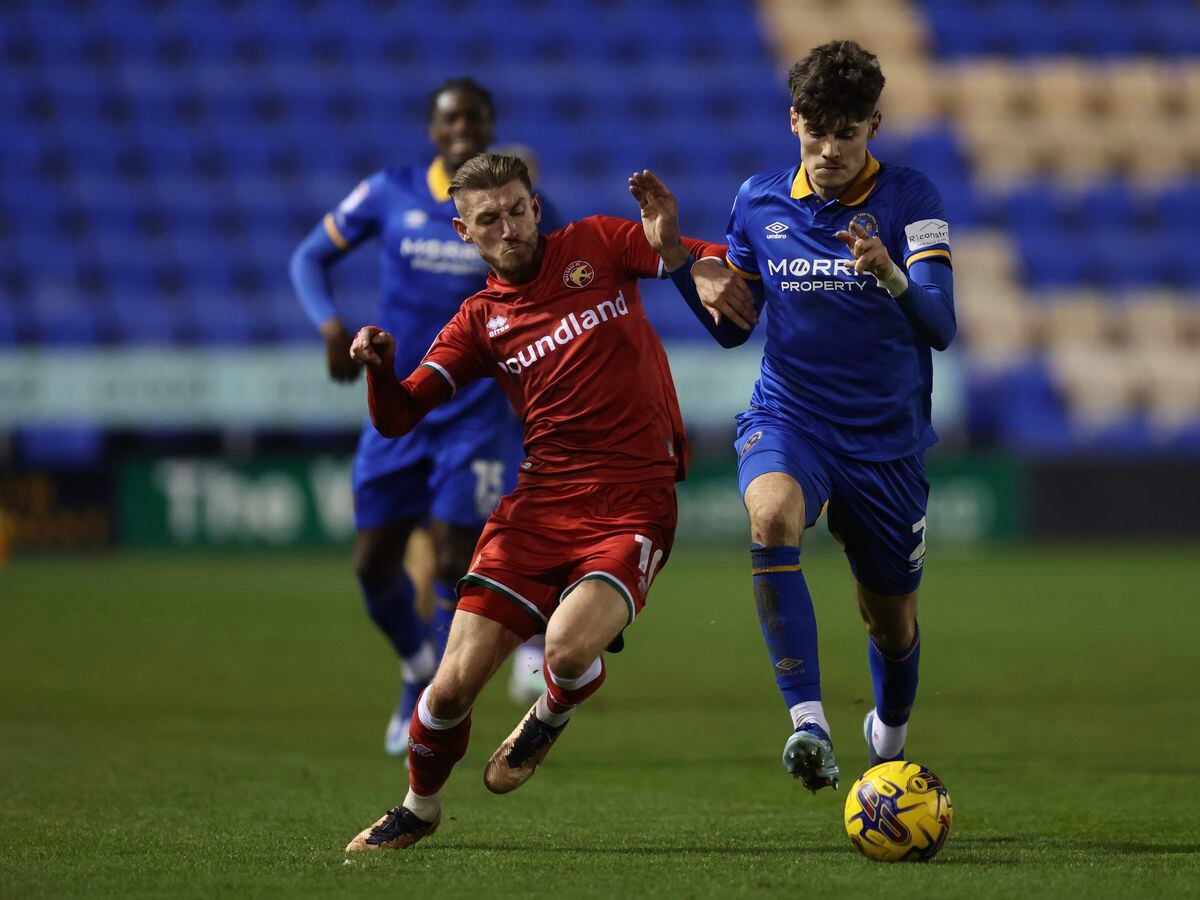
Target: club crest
(750, 442)
(579, 274)
(867, 222)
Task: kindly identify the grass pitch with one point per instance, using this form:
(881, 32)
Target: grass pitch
(212, 726)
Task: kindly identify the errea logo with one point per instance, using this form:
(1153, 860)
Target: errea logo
(775, 231)
(497, 325)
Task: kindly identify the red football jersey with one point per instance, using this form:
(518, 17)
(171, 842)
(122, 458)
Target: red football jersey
(577, 357)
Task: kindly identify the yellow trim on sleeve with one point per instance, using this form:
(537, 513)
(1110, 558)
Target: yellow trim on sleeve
(925, 254)
(750, 275)
(334, 235)
(438, 180)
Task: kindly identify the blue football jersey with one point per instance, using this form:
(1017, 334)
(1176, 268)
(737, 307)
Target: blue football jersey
(426, 270)
(841, 361)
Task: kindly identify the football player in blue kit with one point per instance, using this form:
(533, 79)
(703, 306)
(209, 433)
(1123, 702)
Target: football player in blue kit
(852, 258)
(452, 470)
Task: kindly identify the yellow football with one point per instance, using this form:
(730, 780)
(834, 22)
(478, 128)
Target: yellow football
(898, 812)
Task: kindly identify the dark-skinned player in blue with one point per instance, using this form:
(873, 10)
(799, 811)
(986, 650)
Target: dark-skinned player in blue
(450, 472)
(852, 257)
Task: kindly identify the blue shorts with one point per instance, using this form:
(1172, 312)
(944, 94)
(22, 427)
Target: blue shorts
(456, 472)
(876, 509)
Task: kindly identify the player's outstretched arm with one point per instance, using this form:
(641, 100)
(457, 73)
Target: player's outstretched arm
(925, 295)
(395, 407)
(721, 300)
(309, 269)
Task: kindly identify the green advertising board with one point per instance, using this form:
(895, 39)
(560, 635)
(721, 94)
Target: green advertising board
(306, 502)
(971, 500)
(277, 502)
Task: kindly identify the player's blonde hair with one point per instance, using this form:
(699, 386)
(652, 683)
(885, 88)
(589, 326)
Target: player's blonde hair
(489, 170)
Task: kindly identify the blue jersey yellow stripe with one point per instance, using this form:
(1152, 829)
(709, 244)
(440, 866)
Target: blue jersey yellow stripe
(841, 361)
(926, 254)
(334, 235)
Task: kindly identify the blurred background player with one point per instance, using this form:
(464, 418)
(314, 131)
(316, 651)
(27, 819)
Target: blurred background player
(572, 552)
(839, 419)
(451, 471)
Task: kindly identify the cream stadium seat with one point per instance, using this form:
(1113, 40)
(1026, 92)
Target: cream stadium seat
(1078, 317)
(1153, 320)
(1172, 387)
(1065, 88)
(1102, 383)
(1136, 88)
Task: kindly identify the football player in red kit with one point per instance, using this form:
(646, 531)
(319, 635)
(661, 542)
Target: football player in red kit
(574, 549)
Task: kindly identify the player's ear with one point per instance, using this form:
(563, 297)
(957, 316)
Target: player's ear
(461, 227)
(795, 117)
(535, 204)
(873, 128)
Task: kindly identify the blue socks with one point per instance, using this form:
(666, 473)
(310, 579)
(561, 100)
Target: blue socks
(789, 625)
(443, 614)
(391, 607)
(895, 680)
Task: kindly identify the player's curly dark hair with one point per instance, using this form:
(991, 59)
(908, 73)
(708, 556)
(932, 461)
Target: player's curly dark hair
(465, 86)
(836, 83)
(487, 171)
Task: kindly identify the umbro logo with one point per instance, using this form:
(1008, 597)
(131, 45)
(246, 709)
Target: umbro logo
(775, 231)
(497, 325)
(787, 664)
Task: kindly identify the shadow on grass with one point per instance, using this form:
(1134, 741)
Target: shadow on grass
(762, 849)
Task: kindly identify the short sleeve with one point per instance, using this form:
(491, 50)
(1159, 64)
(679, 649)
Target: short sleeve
(922, 231)
(637, 257)
(628, 242)
(455, 353)
(359, 215)
(741, 255)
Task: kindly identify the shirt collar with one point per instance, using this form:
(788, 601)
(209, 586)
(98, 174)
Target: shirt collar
(438, 180)
(856, 191)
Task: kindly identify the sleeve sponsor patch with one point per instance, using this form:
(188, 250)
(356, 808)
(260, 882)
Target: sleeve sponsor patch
(356, 196)
(927, 233)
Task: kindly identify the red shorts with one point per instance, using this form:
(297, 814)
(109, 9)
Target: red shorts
(542, 540)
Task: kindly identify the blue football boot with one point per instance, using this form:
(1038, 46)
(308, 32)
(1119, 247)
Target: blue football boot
(808, 756)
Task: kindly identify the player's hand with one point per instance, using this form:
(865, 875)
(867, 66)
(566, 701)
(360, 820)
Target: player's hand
(660, 217)
(869, 254)
(373, 347)
(337, 351)
(724, 294)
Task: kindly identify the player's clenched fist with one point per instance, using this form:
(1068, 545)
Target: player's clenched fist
(373, 347)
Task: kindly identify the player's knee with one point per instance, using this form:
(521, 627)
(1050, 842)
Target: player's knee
(892, 635)
(776, 523)
(449, 697)
(374, 564)
(892, 639)
(567, 659)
